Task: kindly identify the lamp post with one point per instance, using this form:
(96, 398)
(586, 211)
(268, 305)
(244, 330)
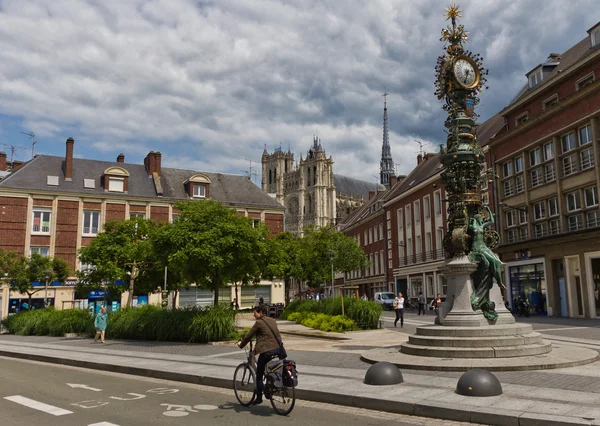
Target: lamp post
(46, 290)
(331, 253)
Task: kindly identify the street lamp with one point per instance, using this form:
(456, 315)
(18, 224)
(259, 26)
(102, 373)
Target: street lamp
(46, 289)
(331, 254)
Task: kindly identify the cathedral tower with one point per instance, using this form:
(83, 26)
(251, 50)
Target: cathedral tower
(386, 165)
(274, 168)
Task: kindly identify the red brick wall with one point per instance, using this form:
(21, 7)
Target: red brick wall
(13, 222)
(115, 212)
(137, 209)
(274, 222)
(42, 203)
(40, 240)
(92, 206)
(67, 218)
(159, 214)
(86, 241)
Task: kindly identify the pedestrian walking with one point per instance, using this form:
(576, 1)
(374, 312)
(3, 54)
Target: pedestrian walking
(100, 324)
(421, 304)
(364, 297)
(436, 306)
(399, 308)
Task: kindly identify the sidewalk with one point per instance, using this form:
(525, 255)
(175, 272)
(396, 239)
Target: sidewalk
(330, 371)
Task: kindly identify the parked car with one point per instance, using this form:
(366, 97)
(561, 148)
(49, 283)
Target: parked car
(385, 299)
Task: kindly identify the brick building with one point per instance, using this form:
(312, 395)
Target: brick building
(56, 205)
(546, 160)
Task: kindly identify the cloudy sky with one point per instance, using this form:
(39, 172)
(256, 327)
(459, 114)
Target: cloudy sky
(209, 82)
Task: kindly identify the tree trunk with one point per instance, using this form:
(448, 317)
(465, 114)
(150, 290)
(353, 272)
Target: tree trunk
(216, 285)
(175, 293)
(286, 289)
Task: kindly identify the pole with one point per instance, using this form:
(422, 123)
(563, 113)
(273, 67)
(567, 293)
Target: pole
(165, 278)
(46, 293)
(332, 282)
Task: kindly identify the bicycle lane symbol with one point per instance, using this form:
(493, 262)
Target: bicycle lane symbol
(174, 410)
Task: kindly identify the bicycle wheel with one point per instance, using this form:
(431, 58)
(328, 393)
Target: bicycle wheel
(244, 384)
(283, 400)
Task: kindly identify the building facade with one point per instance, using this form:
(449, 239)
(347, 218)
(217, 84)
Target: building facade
(546, 161)
(56, 205)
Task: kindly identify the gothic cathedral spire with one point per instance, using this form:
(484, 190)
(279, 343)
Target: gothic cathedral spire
(386, 165)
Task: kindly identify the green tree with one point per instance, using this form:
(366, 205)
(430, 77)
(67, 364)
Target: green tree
(320, 247)
(211, 245)
(123, 251)
(284, 259)
(22, 272)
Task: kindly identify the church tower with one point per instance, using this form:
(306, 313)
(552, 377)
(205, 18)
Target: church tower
(386, 165)
(274, 167)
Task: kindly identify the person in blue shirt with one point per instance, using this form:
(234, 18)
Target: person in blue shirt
(100, 324)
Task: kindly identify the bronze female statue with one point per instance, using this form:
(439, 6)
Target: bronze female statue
(489, 266)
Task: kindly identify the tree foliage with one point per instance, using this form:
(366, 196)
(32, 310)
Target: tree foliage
(122, 251)
(211, 245)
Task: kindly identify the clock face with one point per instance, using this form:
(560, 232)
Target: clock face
(465, 73)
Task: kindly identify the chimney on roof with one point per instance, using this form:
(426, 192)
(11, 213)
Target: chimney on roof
(371, 194)
(554, 57)
(16, 165)
(3, 161)
(152, 162)
(68, 159)
(419, 159)
(121, 158)
(393, 180)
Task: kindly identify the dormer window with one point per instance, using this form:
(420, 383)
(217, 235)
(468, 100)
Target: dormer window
(198, 186)
(115, 179)
(199, 190)
(535, 78)
(595, 37)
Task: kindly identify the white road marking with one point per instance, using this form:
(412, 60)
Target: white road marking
(560, 329)
(206, 407)
(103, 424)
(76, 385)
(135, 396)
(219, 355)
(36, 405)
(90, 404)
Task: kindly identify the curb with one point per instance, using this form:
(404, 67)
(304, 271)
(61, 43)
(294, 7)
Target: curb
(309, 335)
(412, 407)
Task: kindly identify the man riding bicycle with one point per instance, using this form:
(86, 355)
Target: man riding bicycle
(267, 335)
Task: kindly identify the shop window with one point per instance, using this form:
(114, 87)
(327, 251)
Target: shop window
(91, 223)
(41, 221)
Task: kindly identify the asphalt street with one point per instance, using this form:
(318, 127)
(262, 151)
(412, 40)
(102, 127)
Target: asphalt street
(34, 393)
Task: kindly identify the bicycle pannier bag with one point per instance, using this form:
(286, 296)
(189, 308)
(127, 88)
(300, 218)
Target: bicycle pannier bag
(290, 374)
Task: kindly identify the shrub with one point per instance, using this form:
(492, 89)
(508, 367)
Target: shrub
(323, 322)
(48, 321)
(365, 314)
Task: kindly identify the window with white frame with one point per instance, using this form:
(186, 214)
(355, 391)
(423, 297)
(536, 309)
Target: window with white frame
(540, 229)
(366, 237)
(137, 215)
(387, 215)
(519, 164)
(568, 142)
(376, 264)
(570, 165)
(535, 156)
(200, 191)
(537, 177)
(510, 218)
(409, 247)
(539, 210)
(41, 221)
(508, 169)
(587, 158)
(428, 242)
(519, 184)
(592, 218)
(407, 217)
(554, 226)
(381, 262)
(381, 231)
(573, 201)
(549, 172)
(427, 207)
(116, 184)
(595, 37)
(418, 245)
(584, 81)
(91, 222)
(575, 222)
(255, 223)
(548, 151)
(375, 234)
(42, 251)
(591, 196)
(417, 211)
(371, 240)
(511, 235)
(437, 201)
(400, 220)
(523, 233)
(535, 78)
(509, 188)
(523, 216)
(585, 135)
(439, 237)
(553, 207)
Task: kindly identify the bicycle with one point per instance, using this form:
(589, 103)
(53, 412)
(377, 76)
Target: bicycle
(282, 397)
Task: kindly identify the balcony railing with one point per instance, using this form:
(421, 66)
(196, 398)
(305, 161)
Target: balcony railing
(416, 258)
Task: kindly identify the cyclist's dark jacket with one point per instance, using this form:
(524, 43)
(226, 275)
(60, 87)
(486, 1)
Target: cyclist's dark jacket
(265, 341)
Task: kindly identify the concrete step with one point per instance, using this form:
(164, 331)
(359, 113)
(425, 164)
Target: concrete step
(486, 331)
(475, 342)
(487, 352)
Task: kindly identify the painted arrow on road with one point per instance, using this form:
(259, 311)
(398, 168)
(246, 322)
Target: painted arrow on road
(79, 386)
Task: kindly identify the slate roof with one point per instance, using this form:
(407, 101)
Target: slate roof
(345, 185)
(365, 211)
(227, 188)
(567, 59)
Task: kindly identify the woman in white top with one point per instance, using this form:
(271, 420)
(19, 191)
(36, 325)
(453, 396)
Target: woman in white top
(399, 307)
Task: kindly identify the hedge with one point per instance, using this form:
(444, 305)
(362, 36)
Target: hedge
(365, 314)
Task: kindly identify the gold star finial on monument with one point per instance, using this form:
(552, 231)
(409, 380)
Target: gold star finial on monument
(453, 11)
